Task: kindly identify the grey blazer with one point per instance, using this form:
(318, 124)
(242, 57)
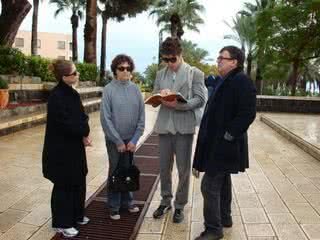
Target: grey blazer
(181, 119)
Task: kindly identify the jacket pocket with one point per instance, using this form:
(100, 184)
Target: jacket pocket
(229, 151)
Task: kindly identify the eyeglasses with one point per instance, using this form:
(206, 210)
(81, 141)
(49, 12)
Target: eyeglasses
(121, 69)
(75, 73)
(172, 59)
(220, 58)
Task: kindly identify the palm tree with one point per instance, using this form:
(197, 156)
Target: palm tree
(174, 15)
(116, 10)
(192, 53)
(34, 34)
(253, 10)
(105, 13)
(90, 32)
(244, 28)
(76, 6)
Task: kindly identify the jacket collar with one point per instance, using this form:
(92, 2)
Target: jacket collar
(231, 74)
(181, 76)
(65, 87)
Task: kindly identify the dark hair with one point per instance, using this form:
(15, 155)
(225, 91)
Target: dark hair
(171, 46)
(119, 59)
(235, 53)
(61, 68)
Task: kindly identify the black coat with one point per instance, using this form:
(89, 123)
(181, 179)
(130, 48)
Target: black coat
(64, 157)
(232, 108)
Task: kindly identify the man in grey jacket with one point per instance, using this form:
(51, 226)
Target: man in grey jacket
(176, 124)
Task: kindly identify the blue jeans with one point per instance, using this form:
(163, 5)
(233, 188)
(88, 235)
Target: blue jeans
(117, 199)
(217, 196)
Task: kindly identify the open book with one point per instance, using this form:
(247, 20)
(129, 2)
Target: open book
(155, 100)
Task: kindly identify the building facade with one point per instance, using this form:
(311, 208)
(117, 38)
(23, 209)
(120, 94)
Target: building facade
(50, 45)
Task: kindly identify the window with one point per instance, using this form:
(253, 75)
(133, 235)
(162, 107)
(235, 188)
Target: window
(61, 45)
(38, 43)
(70, 46)
(62, 57)
(19, 42)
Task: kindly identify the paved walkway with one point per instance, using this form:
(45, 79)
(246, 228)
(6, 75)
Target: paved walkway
(277, 198)
(306, 126)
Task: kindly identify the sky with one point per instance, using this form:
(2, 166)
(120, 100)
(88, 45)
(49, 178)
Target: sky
(138, 37)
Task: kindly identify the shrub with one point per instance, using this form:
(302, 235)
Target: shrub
(150, 75)
(88, 72)
(12, 61)
(3, 84)
(38, 66)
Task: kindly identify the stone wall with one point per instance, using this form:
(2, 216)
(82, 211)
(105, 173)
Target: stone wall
(288, 104)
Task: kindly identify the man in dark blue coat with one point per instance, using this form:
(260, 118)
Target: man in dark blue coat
(211, 83)
(222, 145)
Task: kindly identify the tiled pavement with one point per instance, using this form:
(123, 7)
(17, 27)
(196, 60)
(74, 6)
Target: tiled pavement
(277, 198)
(305, 126)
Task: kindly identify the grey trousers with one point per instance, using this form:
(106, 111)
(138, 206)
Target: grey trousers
(116, 200)
(179, 145)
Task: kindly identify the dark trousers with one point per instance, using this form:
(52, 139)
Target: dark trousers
(67, 205)
(217, 197)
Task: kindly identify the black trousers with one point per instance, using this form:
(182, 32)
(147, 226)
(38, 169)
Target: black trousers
(217, 197)
(67, 205)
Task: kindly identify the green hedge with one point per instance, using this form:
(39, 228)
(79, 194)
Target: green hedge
(88, 72)
(38, 67)
(13, 61)
(3, 84)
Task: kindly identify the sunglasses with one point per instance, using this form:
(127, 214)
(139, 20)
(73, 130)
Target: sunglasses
(220, 58)
(121, 69)
(172, 59)
(75, 73)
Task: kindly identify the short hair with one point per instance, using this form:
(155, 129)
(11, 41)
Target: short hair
(119, 59)
(61, 68)
(171, 46)
(235, 53)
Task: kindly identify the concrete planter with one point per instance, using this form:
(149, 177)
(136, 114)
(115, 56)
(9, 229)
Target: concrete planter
(4, 98)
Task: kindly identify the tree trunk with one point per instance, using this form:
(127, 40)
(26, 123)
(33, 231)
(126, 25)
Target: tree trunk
(34, 35)
(75, 24)
(12, 14)
(174, 20)
(259, 78)
(90, 32)
(294, 77)
(303, 84)
(249, 64)
(103, 47)
(160, 42)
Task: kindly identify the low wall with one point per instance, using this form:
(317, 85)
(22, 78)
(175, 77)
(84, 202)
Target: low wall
(288, 104)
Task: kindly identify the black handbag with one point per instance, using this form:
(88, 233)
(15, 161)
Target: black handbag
(125, 179)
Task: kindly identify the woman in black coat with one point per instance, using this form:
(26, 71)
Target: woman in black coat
(64, 157)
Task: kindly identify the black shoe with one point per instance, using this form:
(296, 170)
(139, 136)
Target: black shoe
(161, 210)
(206, 235)
(178, 216)
(227, 223)
(115, 215)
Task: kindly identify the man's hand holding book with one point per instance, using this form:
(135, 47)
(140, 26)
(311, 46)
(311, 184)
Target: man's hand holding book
(167, 98)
